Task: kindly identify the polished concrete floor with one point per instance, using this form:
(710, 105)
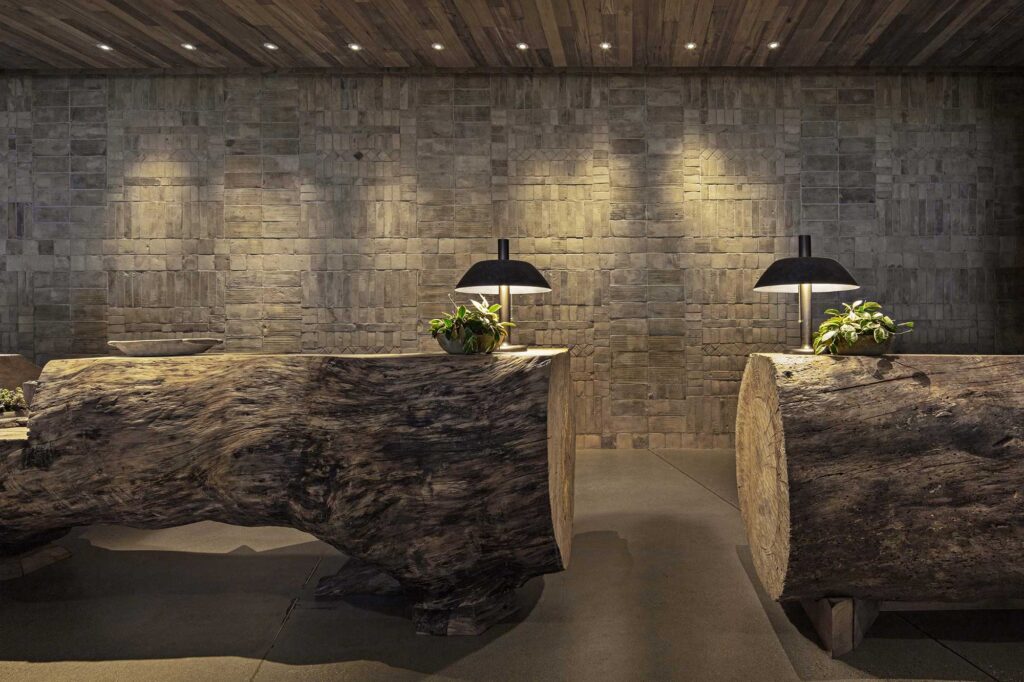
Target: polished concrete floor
(660, 588)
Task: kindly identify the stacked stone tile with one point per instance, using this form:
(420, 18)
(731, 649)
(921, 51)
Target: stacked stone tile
(327, 214)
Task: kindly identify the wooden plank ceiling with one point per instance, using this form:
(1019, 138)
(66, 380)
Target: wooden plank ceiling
(483, 34)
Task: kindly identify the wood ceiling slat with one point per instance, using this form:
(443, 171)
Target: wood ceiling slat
(769, 26)
(28, 43)
(302, 18)
(975, 48)
(481, 34)
(661, 22)
(928, 16)
(529, 20)
(213, 19)
(702, 27)
(477, 19)
(278, 26)
(169, 30)
(942, 37)
(292, 47)
(568, 31)
(216, 51)
(456, 53)
(830, 41)
(552, 36)
(682, 33)
(358, 24)
(95, 18)
(633, 27)
(50, 31)
(887, 11)
(1012, 26)
(589, 17)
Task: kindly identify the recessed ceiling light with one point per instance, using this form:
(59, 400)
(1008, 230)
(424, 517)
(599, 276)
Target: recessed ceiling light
(691, 46)
(355, 47)
(188, 46)
(605, 45)
(270, 46)
(522, 46)
(105, 47)
(774, 45)
(437, 46)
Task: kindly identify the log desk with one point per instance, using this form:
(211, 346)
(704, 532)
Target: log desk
(449, 478)
(882, 479)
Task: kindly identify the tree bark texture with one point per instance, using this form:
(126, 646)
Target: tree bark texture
(453, 475)
(894, 478)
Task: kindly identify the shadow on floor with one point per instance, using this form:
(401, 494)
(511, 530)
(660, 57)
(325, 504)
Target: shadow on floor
(898, 643)
(104, 605)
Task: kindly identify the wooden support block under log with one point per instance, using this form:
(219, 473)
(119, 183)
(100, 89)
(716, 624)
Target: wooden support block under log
(12, 567)
(840, 623)
(450, 475)
(893, 478)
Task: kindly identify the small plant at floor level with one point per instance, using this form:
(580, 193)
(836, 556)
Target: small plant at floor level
(12, 400)
(478, 328)
(857, 320)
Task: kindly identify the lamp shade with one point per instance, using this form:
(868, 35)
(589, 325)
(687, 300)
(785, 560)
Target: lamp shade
(485, 276)
(785, 276)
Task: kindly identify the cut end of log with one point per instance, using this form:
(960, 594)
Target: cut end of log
(762, 478)
(561, 454)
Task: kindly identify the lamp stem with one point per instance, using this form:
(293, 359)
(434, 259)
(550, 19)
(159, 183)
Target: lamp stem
(806, 316)
(805, 319)
(505, 314)
(505, 299)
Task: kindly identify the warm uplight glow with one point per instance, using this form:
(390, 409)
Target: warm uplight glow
(691, 46)
(522, 46)
(105, 47)
(355, 47)
(437, 46)
(188, 46)
(774, 45)
(605, 46)
(270, 46)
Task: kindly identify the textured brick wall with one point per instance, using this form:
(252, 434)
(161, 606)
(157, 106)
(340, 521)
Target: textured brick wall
(318, 214)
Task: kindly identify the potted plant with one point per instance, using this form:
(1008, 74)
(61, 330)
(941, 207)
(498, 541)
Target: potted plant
(860, 329)
(470, 330)
(12, 402)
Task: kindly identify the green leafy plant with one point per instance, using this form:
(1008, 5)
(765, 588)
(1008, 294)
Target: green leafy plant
(857, 320)
(12, 400)
(477, 328)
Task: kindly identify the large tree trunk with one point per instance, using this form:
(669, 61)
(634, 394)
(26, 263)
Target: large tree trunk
(453, 475)
(884, 478)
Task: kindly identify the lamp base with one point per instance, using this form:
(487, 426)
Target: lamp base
(510, 348)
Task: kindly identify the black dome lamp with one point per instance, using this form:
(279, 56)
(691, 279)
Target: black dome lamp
(503, 277)
(804, 275)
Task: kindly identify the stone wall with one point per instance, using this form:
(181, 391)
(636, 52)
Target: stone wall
(328, 214)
